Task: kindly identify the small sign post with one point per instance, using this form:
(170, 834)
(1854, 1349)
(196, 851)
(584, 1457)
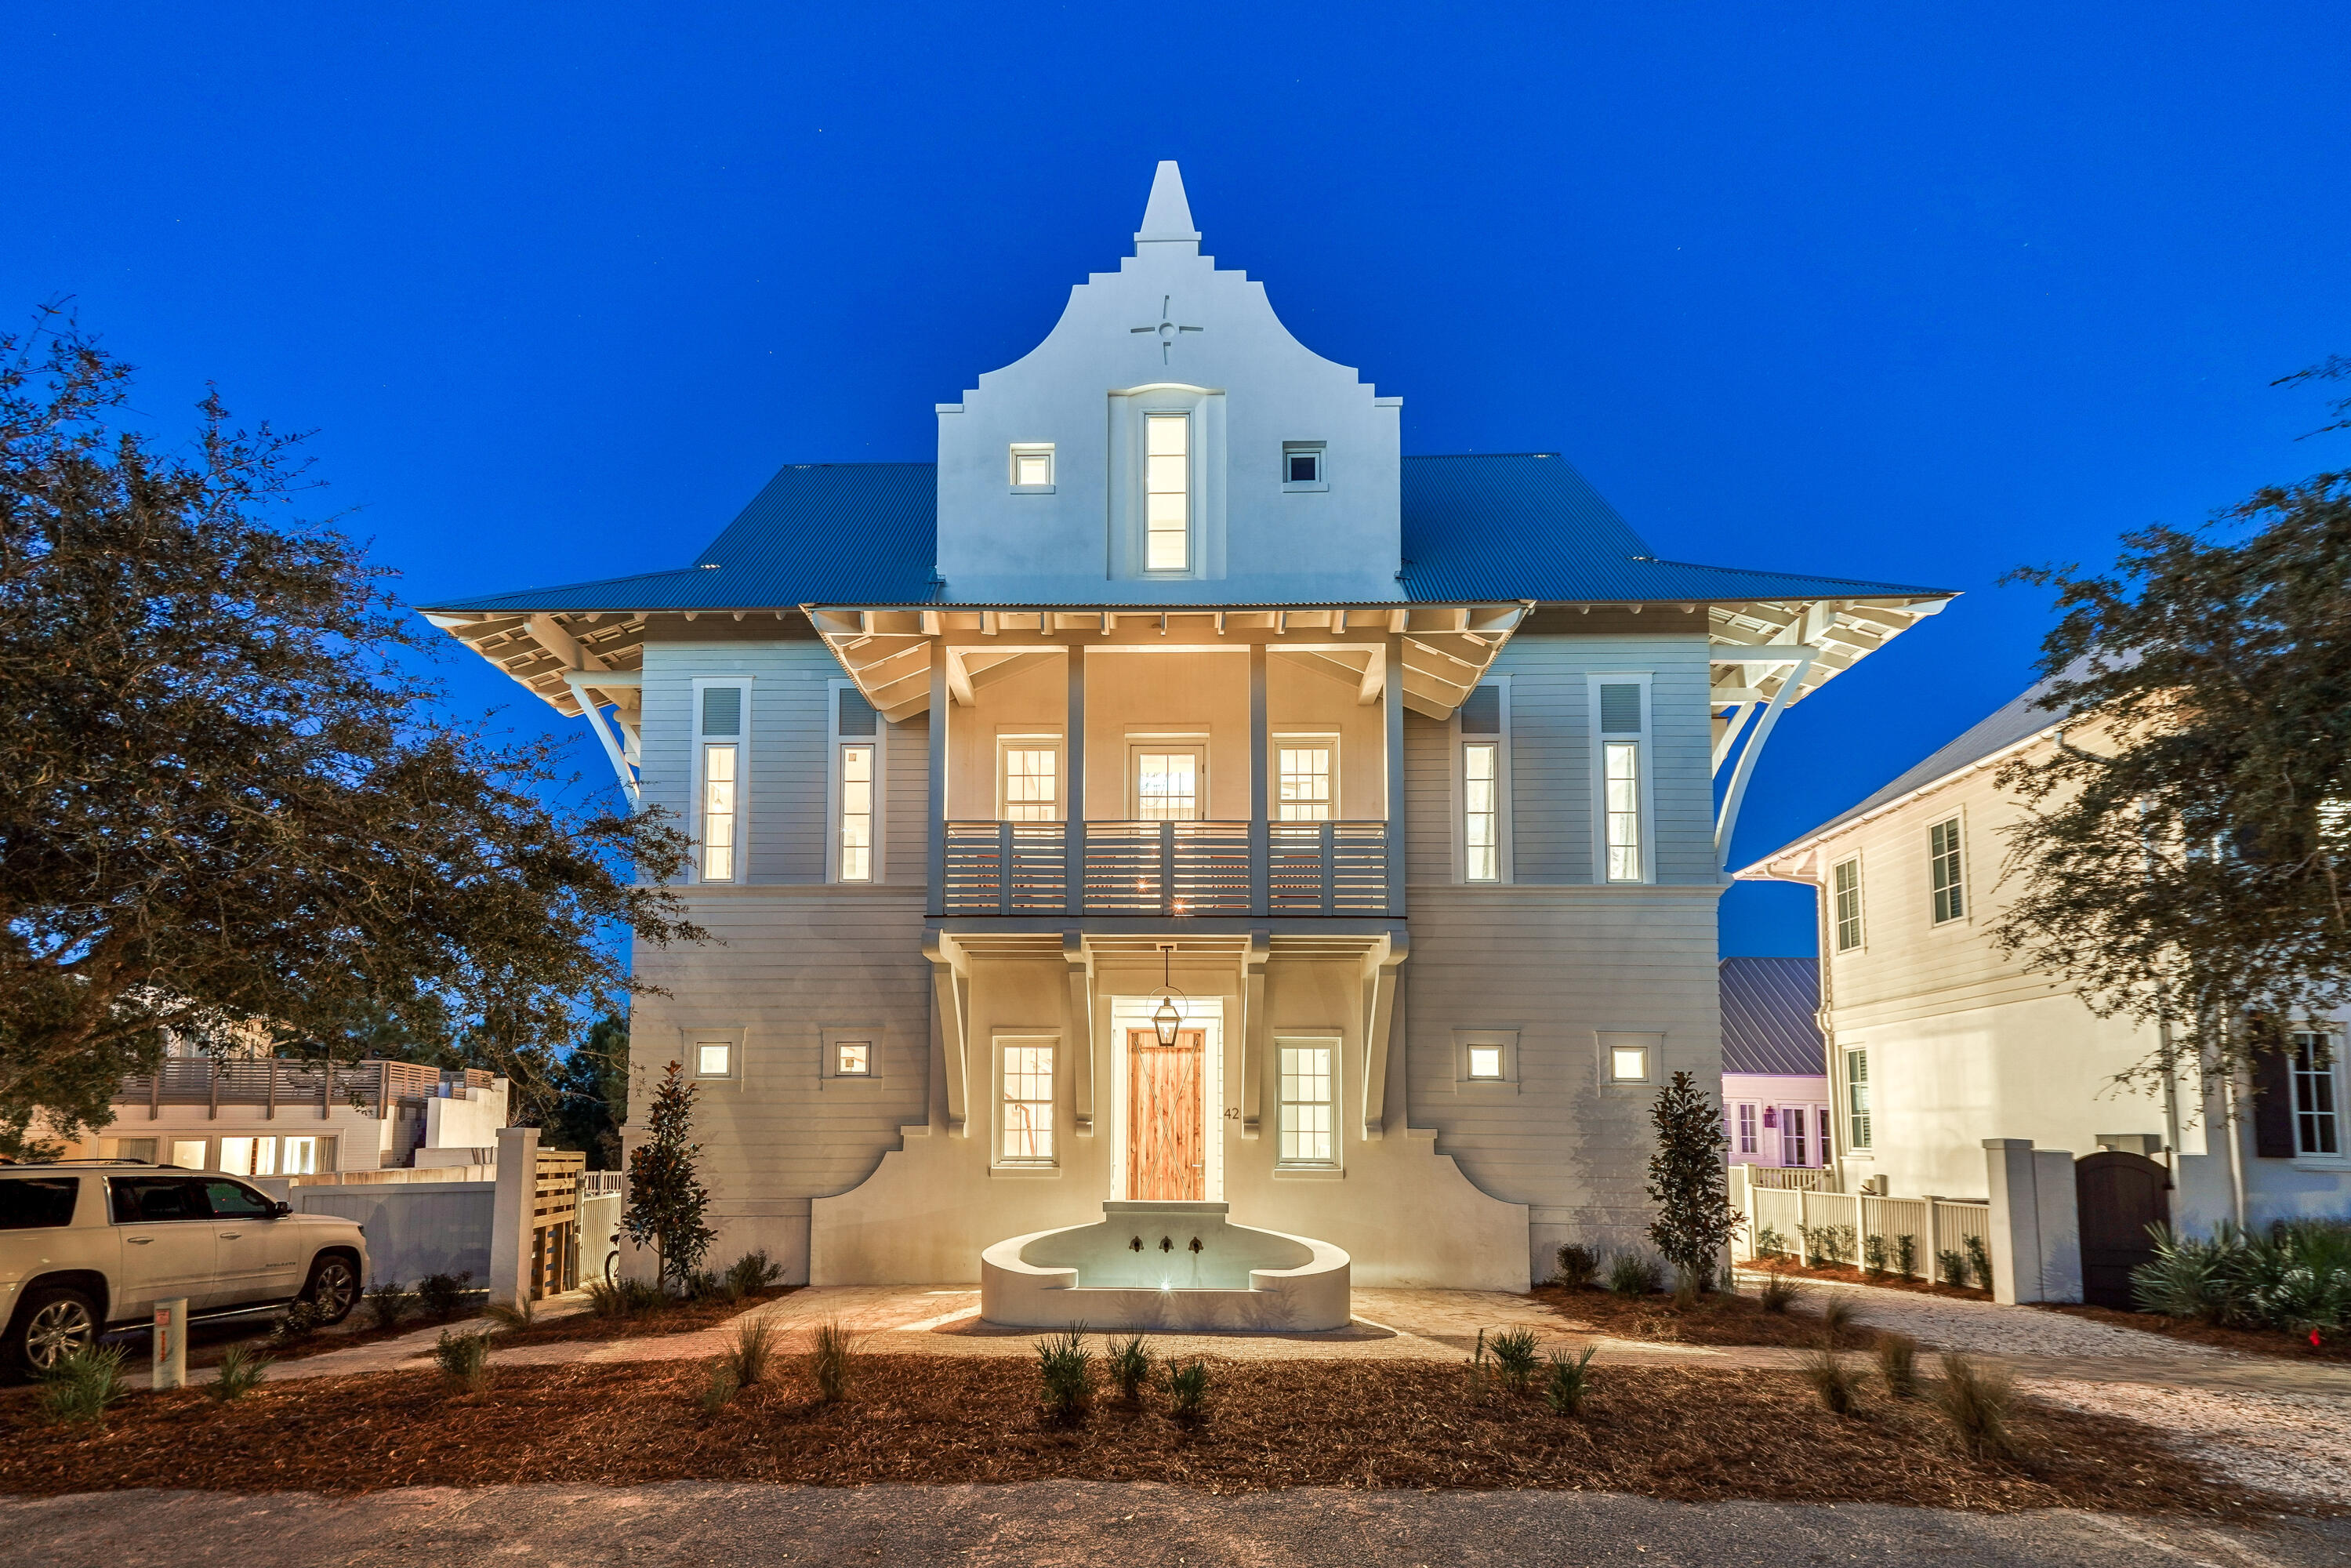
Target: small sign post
(171, 1341)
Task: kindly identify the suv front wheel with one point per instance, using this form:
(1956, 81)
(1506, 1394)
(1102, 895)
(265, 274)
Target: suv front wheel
(53, 1323)
(333, 1287)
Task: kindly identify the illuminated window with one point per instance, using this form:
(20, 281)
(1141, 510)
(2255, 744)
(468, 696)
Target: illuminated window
(853, 1058)
(1848, 906)
(1624, 736)
(1302, 782)
(1308, 1109)
(857, 813)
(1947, 873)
(306, 1157)
(1628, 1064)
(1485, 1062)
(1481, 811)
(1032, 465)
(715, 1058)
(720, 724)
(188, 1154)
(1167, 785)
(250, 1157)
(1166, 498)
(1028, 1105)
(1032, 782)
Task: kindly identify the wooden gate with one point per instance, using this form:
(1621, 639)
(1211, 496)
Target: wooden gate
(2119, 1196)
(1167, 1111)
(554, 1222)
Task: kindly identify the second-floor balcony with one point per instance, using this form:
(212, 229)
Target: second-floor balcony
(1166, 868)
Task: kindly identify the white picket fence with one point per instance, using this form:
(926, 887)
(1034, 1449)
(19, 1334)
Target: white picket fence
(1935, 1224)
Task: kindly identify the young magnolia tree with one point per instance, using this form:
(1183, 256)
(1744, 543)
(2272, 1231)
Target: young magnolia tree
(666, 1198)
(2187, 855)
(1695, 1220)
(229, 808)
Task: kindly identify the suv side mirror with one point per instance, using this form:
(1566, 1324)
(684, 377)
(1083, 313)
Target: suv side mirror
(283, 1210)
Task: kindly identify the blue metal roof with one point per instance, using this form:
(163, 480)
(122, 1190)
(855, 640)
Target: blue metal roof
(1769, 1016)
(1480, 527)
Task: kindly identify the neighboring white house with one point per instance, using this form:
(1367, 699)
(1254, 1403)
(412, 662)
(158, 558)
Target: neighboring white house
(1939, 1042)
(1171, 692)
(1775, 1088)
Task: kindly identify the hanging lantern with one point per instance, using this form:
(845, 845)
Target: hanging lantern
(1168, 1016)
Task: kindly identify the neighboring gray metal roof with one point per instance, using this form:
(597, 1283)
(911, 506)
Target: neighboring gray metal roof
(1768, 1017)
(1480, 527)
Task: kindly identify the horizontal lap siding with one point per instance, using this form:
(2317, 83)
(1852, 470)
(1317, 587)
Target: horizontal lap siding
(784, 802)
(793, 965)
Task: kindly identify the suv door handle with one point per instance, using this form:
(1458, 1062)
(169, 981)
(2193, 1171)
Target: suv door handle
(230, 1235)
(138, 1241)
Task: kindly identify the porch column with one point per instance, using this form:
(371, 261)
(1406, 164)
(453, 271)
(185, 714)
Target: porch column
(1074, 765)
(938, 857)
(1260, 898)
(1392, 714)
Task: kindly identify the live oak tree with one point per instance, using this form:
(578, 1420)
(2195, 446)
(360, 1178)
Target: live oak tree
(666, 1198)
(230, 809)
(1695, 1219)
(2186, 856)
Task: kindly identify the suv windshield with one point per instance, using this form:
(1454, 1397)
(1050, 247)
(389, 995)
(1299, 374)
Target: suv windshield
(38, 1203)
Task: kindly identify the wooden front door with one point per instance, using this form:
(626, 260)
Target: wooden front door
(1167, 1117)
(2118, 1196)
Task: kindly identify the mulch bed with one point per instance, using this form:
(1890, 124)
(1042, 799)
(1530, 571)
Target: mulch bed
(1717, 1319)
(678, 1317)
(1657, 1432)
(2252, 1341)
(1847, 1274)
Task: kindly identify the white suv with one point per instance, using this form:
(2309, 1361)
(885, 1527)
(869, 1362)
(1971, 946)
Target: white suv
(89, 1245)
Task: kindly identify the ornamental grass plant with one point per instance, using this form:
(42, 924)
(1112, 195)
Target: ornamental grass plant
(79, 1384)
(1979, 1404)
(240, 1372)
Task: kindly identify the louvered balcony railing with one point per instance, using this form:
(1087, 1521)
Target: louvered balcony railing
(1167, 869)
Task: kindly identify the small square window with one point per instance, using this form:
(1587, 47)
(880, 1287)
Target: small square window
(1302, 465)
(1485, 1062)
(853, 1058)
(1032, 465)
(713, 1059)
(1628, 1064)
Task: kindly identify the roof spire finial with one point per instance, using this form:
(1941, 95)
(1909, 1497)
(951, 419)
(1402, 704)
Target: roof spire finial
(1167, 217)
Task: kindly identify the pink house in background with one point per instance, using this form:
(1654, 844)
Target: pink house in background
(1775, 1086)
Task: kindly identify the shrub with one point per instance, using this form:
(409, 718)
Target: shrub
(1769, 1243)
(1578, 1266)
(464, 1360)
(624, 1298)
(720, 1390)
(1778, 1294)
(241, 1372)
(442, 1294)
(1980, 1261)
(1570, 1383)
(1515, 1357)
(388, 1302)
(1953, 1266)
(1833, 1378)
(751, 1272)
(1686, 1181)
(515, 1316)
(1187, 1387)
(1635, 1274)
(1067, 1367)
(79, 1384)
(1898, 1364)
(1836, 1317)
(749, 1355)
(1827, 1244)
(1979, 1404)
(296, 1322)
(1873, 1256)
(666, 1198)
(1130, 1366)
(832, 1359)
(1906, 1256)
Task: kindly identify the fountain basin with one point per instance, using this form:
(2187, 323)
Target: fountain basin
(1239, 1278)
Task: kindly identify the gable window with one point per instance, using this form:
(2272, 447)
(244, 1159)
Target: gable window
(1302, 465)
(1025, 1116)
(2317, 1124)
(1621, 707)
(1032, 787)
(855, 786)
(1945, 872)
(1482, 726)
(1032, 466)
(720, 724)
(1746, 1129)
(1856, 1100)
(1848, 904)
(1167, 492)
(1302, 779)
(1309, 1104)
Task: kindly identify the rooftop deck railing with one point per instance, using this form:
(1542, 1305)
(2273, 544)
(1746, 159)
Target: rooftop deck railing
(368, 1086)
(1166, 868)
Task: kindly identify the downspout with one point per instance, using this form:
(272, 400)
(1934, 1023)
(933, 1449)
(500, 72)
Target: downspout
(2236, 1155)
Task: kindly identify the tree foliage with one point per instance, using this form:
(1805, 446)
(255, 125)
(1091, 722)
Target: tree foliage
(229, 808)
(666, 1198)
(1695, 1220)
(590, 1096)
(2186, 854)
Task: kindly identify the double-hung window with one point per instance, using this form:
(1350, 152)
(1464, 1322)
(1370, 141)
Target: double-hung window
(2317, 1122)
(1946, 871)
(855, 786)
(1856, 1099)
(721, 725)
(1796, 1148)
(1305, 779)
(1031, 789)
(1847, 877)
(1747, 1128)
(1025, 1104)
(1167, 492)
(1621, 707)
(1482, 724)
(1309, 1110)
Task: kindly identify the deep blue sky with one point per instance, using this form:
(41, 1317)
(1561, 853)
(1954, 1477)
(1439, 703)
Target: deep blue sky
(1910, 293)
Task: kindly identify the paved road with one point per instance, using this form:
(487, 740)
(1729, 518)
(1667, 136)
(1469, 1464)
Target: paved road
(1073, 1522)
